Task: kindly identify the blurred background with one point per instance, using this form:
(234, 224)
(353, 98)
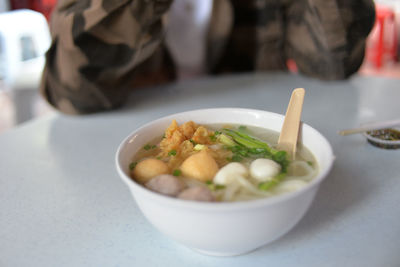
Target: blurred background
(25, 38)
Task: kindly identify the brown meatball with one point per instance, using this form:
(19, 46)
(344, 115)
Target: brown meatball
(197, 193)
(166, 184)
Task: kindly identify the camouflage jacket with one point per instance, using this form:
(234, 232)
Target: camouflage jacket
(103, 49)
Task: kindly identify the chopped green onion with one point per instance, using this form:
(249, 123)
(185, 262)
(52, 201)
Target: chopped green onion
(257, 150)
(236, 158)
(132, 165)
(147, 147)
(214, 187)
(271, 183)
(243, 153)
(176, 172)
(172, 152)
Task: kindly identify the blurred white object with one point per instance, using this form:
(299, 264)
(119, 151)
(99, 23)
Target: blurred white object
(24, 40)
(4, 5)
(187, 26)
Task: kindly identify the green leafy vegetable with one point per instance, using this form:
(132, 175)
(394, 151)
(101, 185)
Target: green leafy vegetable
(248, 141)
(282, 158)
(242, 128)
(246, 146)
(225, 140)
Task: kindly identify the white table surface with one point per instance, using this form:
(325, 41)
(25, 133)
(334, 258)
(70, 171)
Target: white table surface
(62, 202)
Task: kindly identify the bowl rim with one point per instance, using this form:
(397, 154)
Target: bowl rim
(218, 206)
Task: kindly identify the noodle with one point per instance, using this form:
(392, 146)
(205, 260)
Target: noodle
(305, 167)
(230, 191)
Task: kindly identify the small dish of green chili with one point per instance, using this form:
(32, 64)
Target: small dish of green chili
(384, 138)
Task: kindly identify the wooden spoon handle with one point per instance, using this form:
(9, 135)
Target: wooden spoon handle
(290, 128)
(371, 127)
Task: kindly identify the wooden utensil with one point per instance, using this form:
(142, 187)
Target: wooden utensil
(370, 127)
(290, 128)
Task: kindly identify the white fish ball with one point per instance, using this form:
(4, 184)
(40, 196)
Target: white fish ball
(264, 169)
(228, 173)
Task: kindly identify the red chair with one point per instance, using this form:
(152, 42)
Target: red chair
(382, 42)
(43, 6)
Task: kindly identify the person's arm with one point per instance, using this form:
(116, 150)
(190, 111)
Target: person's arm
(100, 50)
(327, 38)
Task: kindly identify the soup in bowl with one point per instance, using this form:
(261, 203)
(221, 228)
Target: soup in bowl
(213, 180)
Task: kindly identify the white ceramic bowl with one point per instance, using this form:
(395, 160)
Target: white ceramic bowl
(224, 229)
